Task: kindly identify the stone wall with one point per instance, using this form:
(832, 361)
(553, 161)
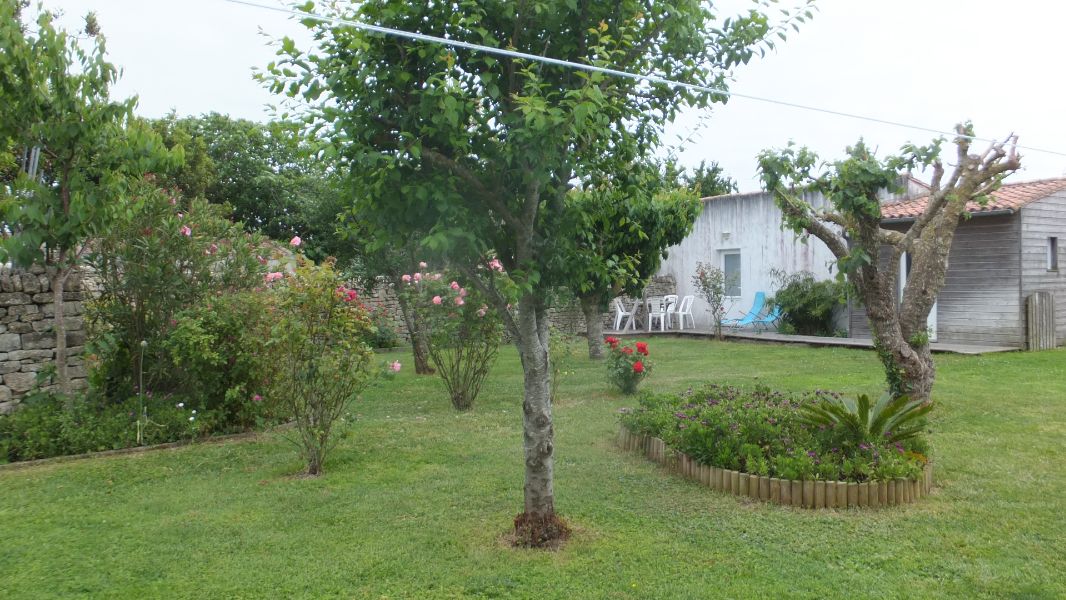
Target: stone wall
(567, 318)
(383, 299)
(27, 342)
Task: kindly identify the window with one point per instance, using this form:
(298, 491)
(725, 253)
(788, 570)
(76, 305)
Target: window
(731, 269)
(1053, 254)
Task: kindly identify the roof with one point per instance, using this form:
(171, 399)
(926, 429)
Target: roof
(1011, 196)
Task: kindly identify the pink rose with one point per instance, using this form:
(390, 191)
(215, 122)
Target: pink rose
(295, 241)
(455, 285)
(436, 299)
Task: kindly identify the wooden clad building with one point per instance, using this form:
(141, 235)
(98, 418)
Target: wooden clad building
(1004, 253)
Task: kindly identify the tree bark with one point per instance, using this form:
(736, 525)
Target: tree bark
(419, 340)
(538, 431)
(593, 327)
(59, 280)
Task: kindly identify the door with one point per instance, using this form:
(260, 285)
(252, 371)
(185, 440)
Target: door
(904, 273)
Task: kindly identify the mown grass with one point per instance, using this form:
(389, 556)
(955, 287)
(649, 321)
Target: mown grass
(417, 501)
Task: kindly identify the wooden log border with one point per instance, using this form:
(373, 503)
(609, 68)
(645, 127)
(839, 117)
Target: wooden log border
(805, 494)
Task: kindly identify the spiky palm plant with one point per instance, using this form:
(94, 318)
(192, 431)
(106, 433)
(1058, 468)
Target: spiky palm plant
(891, 419)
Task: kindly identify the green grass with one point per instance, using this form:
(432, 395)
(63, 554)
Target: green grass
(416, 503)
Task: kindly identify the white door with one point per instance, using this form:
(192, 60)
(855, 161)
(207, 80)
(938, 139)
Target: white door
(904, 272)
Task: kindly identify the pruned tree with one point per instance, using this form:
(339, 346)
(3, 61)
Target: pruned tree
(851, 227)
(486, 146)
(79, 151)
(621, 226)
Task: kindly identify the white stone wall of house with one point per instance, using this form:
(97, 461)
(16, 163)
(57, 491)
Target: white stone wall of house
(746, 227)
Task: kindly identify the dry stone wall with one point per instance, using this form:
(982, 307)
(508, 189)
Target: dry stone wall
(567, 318)
(27, 341)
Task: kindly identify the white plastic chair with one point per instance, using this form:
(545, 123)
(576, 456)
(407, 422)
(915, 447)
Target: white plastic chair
(621, 313)
(684, 309)
(657, 310)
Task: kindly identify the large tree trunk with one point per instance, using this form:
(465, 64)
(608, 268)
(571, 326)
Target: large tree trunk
(59, 280)
(593, 327)
(419, 339)
(538, 525)
(902, 344)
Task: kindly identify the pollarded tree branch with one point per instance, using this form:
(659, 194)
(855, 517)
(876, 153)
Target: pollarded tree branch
(799, 211)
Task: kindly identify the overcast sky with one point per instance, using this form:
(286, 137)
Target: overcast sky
(926, 63)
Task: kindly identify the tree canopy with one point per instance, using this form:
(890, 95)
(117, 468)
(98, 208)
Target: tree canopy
(481, 150)
(79, 150)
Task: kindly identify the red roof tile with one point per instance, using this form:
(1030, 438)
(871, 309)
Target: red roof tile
(1011, 196)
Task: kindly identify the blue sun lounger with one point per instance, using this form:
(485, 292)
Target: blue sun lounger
(753, 314)
(770, 319)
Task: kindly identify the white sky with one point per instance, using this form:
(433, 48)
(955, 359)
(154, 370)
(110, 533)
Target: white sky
(930, 63)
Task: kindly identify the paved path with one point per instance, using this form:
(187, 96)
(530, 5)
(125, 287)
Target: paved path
(772, 336)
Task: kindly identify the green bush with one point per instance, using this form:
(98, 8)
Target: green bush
(217, 349)
(765, 432)
(321, 362)
(808, 304)
(383, 329)
(43, 427)
(179, 277)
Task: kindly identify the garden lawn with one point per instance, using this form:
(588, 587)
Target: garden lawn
(418, 500)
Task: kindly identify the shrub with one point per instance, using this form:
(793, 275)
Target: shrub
(44, 425)
(464, 334)
(765, 432)
(383, 329)
(159, 273)
(807, 304)
(627, 365)
(711, 284)
(217, 350)
(321, 361)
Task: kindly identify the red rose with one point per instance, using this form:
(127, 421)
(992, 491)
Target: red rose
(638, 367)
(627, 350)
(642, 347)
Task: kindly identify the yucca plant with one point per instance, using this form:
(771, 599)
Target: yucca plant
(891, 419)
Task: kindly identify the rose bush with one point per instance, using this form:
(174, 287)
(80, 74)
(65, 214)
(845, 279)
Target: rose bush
(627, 365)
(464, 334)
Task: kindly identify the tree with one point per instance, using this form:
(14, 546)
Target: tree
(485, 147)
(710, 180)
(376, 256)
(852, 231)
(80, 151)
(268, 173)
(621, 228)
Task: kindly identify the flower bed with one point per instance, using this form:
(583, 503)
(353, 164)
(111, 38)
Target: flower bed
(789, 492)
(767, 435)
